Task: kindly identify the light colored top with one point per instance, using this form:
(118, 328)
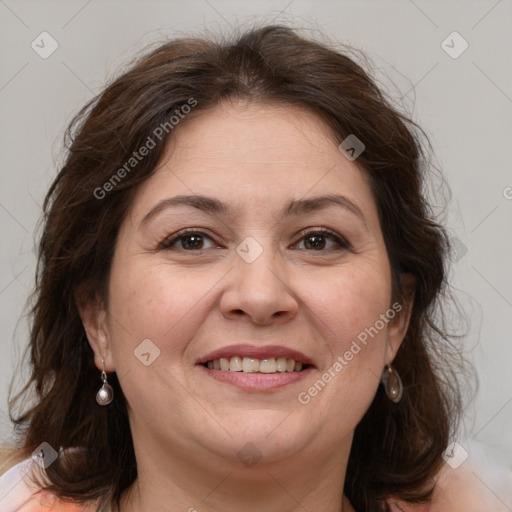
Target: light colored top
(19, 493)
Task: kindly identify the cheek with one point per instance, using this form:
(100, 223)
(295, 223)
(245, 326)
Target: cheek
(349, 308)
(154, 302)
(349, 303)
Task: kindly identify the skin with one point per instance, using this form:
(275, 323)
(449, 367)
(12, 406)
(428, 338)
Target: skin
(187, 427)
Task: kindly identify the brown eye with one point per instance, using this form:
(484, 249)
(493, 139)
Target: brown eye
(315, 242)
(192, 242)
(188, 241)
(323, 240)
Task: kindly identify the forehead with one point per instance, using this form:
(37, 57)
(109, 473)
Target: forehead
(254, 133)
(253, 155)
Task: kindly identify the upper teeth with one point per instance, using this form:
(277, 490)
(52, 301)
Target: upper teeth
(252, 365)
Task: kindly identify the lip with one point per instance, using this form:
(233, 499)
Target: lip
(256, 381)
(257, 352)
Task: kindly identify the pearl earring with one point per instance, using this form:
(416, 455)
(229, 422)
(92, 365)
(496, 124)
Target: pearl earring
(392, 384)
(105, 394)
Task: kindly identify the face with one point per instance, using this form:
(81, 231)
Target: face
(256, 238)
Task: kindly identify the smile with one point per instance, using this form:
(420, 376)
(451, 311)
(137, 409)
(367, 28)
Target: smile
(253, 365)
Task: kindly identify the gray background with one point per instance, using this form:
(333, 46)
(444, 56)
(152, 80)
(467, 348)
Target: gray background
(465, 105)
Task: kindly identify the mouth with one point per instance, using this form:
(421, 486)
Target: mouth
(256, 368)
(254, 365)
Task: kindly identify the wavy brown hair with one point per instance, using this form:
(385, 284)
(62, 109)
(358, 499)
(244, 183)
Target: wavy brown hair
(397, 448)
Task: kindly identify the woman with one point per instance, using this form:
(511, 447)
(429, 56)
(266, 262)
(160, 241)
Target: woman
(236, 290)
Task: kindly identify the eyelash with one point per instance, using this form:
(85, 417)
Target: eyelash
(167, 244)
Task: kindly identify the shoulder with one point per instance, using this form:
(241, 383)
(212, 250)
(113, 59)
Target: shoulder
(19, 491)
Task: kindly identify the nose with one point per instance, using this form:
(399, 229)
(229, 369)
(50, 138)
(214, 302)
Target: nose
(259, 291)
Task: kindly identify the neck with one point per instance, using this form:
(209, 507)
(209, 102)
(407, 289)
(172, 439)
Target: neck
(212, 484)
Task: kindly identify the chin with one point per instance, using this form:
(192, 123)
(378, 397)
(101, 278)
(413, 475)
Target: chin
(266, 435)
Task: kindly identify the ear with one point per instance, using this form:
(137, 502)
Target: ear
(94, 317)
(398, 325)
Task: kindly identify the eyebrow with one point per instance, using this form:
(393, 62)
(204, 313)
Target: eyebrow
(294, 208)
